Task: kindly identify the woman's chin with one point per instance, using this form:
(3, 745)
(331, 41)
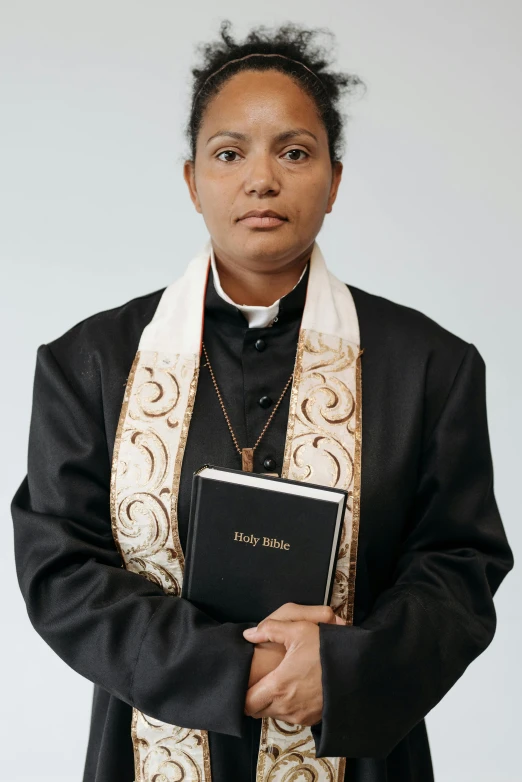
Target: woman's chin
(270, 245)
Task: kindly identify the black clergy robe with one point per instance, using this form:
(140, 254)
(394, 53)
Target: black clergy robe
(432, 549)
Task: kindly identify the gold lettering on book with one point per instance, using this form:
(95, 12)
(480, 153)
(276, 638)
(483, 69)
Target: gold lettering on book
(242, 537)
(275, 543)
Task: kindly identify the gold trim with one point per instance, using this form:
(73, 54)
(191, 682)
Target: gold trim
(294, 394)
(114, 474)
(261, 756)
(116, 452)
(356, 500)
(135, 749)
(178, 462)
(206, 756)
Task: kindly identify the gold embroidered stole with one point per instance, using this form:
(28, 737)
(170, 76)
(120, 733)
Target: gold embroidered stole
(323, 446)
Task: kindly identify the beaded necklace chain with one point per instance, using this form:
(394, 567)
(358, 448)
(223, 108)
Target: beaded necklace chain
(247, 454)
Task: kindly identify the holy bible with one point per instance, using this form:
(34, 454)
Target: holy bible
(257, 541)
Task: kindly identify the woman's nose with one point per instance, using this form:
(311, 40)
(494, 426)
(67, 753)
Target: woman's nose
(261, 177)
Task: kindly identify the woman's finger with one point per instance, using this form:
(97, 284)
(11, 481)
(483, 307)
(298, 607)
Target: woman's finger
(259, 698)
(294, 612)
(270, 630)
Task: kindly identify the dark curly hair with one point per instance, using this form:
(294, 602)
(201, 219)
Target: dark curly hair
(289, 40)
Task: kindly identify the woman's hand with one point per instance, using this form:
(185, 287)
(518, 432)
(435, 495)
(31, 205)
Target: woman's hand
(293, 691)
(293, 612)
(288, 642)
(266, 658)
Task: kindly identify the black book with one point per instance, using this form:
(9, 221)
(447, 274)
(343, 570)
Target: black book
(258, 541)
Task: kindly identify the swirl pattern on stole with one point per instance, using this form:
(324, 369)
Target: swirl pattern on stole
(323, 445)
(149, 446)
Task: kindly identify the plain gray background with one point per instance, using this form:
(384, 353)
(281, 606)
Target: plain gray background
(94, 211)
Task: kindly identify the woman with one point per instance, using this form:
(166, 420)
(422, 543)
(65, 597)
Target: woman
(259, 358)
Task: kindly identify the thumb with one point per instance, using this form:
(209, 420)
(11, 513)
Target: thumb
(270, 630)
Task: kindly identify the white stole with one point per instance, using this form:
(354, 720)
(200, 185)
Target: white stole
(323, 446)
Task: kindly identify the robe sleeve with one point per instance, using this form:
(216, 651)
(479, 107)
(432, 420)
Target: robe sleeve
(381, 677)
(154, 651)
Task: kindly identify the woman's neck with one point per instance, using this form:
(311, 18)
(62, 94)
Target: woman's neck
(259, 288)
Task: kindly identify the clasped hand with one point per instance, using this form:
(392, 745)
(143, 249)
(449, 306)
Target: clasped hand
(285, 677)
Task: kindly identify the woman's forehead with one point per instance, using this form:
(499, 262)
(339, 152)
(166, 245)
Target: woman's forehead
(261, 98)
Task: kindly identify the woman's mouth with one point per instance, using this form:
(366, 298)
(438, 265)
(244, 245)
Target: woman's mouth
(262, 219)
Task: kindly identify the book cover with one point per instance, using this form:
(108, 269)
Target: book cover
(256, 542)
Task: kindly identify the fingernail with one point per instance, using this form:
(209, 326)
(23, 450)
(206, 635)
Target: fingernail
(250, 631)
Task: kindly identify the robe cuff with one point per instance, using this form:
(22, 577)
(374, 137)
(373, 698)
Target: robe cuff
(339, 733)
(328, 734)
(199, 679)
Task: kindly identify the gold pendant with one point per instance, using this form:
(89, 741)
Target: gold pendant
(247, 459)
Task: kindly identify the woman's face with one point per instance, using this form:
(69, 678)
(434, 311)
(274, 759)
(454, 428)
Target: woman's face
(262, 147)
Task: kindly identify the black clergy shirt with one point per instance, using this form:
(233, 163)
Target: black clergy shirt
(432, 549)
(251, 366)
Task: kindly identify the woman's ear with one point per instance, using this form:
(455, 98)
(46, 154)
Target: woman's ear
(337, 172)
(190, 179)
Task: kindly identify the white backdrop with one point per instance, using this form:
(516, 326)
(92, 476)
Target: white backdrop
(94, 211)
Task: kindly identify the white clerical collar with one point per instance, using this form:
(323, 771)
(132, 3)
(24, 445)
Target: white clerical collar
(257, 316)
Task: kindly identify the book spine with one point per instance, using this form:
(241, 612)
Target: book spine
(191, 542)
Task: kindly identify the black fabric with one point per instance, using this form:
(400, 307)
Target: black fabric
(432, 547)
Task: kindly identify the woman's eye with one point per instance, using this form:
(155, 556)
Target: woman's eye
(229, 153)
(295, 152)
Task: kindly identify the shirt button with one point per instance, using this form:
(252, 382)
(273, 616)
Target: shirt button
(265, 401)
(269, 463)
(260, 344)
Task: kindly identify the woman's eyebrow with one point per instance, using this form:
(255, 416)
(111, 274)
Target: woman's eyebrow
(284, 136)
